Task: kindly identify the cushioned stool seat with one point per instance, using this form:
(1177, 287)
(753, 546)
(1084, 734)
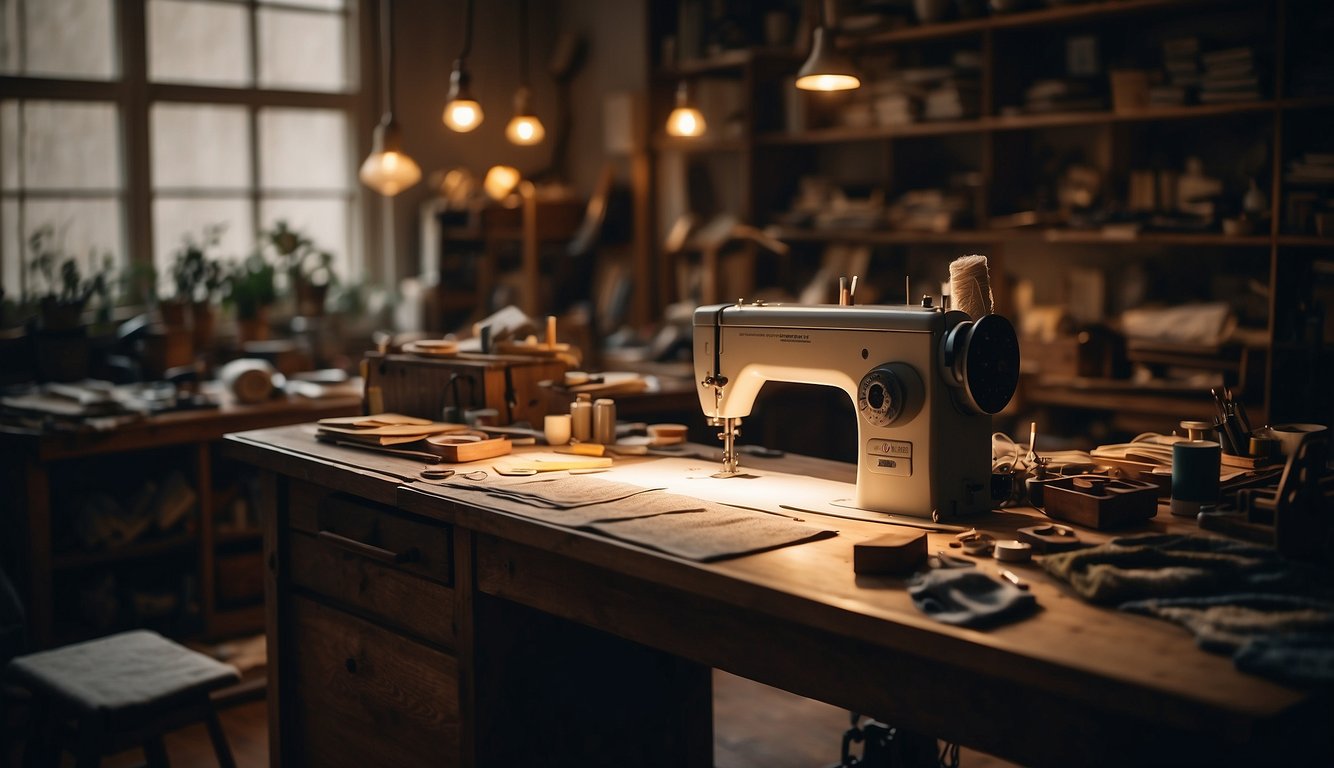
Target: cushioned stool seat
(123, 690)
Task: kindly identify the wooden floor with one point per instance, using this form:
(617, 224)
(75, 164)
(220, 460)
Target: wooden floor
(755, 726)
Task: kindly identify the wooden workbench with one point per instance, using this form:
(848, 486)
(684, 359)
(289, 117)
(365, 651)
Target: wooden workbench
(509, 641)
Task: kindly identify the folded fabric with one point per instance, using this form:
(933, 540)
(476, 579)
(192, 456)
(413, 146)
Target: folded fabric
(1273, 616)
(1138, 567)
(968, 598)
(1281, 636)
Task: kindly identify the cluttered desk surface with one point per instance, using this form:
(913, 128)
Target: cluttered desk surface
(1064, 675)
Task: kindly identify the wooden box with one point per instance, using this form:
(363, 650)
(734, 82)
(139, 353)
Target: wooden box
(1100, 503)
(423, 387)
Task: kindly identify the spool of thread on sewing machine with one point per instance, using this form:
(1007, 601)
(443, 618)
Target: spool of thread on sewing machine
(970, 285)
(1195, 466)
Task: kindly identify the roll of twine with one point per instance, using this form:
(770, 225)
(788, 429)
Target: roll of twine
(970, 285)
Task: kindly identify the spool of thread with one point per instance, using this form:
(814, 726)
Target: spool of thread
(970, 285)
(1013, 551)
(581, 419)
(250, 380)
(1194, 476)
(604, 421)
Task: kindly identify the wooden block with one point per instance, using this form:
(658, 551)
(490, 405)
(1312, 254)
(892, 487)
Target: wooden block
(894, 553)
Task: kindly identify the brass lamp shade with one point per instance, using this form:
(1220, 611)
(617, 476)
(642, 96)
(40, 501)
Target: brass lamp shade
(826, 69)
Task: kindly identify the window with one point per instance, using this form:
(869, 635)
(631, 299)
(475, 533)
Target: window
(245, 109)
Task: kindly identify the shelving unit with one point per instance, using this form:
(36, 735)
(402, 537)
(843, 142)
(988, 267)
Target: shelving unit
(47, 469)
(756, 163)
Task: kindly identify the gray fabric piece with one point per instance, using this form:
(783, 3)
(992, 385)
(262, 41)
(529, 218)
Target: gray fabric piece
(1132, 568)
(1282, 636)
(1274, 617)
(713, 533)
(968, 598)
(640, 505)
(121, 677)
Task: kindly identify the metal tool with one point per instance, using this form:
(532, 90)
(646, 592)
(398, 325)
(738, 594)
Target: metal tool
(913, 374)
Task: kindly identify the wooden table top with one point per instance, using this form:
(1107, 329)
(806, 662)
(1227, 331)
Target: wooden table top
(1133, 665)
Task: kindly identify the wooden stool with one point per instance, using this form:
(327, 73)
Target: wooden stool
(121, 691)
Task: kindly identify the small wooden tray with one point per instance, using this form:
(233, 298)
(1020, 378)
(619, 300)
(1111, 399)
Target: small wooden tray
(1100, 503)
(457, 449)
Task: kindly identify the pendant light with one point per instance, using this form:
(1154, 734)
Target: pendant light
(685, 120)
(387, 169)
(826, 69)
(462, 112)
(524, 128)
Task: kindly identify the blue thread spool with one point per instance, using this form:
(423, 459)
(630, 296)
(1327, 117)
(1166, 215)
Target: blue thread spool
(1194, 476)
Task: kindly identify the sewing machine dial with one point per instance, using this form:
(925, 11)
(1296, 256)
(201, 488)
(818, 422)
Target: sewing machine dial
(983, 359)
(881, 397)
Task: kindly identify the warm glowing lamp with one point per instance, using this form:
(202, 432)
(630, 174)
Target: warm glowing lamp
(524, 128)
(462, 112)
(387, 169)
(826, 69)
(685, 120)
(500, 181)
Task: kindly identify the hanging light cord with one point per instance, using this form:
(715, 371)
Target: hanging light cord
(467, 31)
(523, 42)
(387, 54)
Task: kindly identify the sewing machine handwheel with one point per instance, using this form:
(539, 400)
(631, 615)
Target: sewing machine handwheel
(990, 364)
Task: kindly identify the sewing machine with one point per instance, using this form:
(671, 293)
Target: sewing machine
(924, 383)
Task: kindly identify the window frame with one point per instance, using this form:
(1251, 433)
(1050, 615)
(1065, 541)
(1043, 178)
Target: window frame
(134, 96)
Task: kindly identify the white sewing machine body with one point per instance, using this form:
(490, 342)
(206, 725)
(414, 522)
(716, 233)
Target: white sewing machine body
(924, 435)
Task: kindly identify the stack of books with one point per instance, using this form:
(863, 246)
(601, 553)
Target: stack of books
(1314, 169)
(1229, 75)
(1181, 61)
(1062, 95)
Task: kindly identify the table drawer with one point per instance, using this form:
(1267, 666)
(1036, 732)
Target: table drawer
(359, 695)
(374, 532)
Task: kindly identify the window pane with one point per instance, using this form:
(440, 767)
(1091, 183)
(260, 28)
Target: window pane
(11, 250)
(70, 38)
(198, 42)
(9, 41)
(68, 145)
(301, 50)
(324, 221)
(175, 217)
(9, 144)
(86, 229)
(330, 4)
(200, 146)
(303, 149)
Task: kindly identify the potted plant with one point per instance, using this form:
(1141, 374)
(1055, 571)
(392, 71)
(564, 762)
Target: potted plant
(308, 268)
(197, 279)
(61, 292)
(251, 291)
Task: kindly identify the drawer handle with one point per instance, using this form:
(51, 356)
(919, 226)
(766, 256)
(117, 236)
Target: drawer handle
(409, 555)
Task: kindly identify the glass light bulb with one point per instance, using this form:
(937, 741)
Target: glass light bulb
(685, 121)
(500, 181)
(525, 130)
(389, 172)
(828, 83)
(463, 115)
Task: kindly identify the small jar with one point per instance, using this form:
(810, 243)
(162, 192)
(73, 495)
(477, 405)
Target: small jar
(581, 419)
(604, 421)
